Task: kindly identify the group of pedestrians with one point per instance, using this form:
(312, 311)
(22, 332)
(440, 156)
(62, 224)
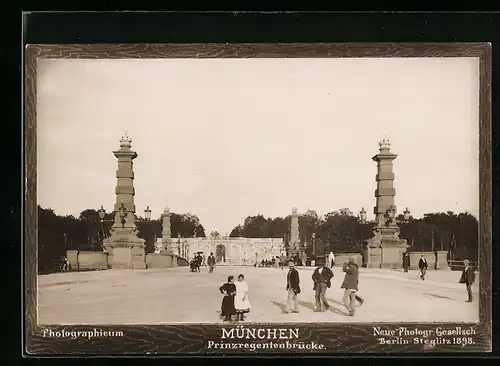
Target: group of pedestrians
(236, 300)
(198, 260)
(422, 265)
(322, 277)
(468, 276)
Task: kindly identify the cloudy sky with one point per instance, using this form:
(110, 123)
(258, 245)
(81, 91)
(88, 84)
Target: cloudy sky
(226, 138)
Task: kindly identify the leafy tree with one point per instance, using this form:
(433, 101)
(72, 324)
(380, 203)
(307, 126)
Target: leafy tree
(237, 232)
(57, 234)
(340, 231)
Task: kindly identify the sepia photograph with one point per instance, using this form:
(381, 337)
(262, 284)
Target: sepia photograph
(257, 190)
(208, 199)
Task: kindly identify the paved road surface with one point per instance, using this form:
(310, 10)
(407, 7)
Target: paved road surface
(161, 296)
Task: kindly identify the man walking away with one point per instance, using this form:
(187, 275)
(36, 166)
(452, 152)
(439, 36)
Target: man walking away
(199, 260)
(211, 262)
(422, 265)
(406, 261)
(293, 288)
(350, 285)
(468, 277)
(322, 280)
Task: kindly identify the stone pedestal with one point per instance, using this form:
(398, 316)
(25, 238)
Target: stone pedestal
(126, 251)
(385, 251)
(441, 260)
(72, 256)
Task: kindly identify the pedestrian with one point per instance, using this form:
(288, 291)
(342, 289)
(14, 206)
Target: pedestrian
(350, 285)
(292, 288)
(282, 261)
(422, 265)
(199, 261)
(331, 259)
(468, 277)
(241, 301)
(406, 261)
(66, 265)
(211, 262)
(322, 280)
(229, 291)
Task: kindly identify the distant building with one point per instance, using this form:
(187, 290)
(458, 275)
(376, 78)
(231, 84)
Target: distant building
(231, 251)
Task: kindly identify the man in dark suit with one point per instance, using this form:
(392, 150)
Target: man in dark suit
(293, 288)
(422, 265)
(468, 277)
(211, 262)
(350, 285)
(406, 261)
(322, 280)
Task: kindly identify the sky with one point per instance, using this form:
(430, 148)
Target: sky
(228, 138)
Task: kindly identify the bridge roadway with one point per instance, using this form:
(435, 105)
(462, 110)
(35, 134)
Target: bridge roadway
(162, 296)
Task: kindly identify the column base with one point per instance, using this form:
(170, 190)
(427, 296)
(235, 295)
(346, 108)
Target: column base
(385, 252)
(126, 252)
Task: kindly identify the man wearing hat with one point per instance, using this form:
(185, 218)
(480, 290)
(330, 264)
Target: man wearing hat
(293, 288)
(468, 277)
(322, 280)
(350, 285)
(422, 265)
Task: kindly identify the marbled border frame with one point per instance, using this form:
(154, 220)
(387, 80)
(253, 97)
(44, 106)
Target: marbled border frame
(191, 338)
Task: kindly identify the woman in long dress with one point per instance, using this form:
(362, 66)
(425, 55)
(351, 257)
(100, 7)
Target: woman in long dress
(229, 291)
(241, 302)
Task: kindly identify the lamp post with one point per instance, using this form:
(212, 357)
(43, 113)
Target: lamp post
(102, 215)
(147, 216)
(147, 213)
(362, 215)
(314, 246)
(406, 219)
(406, 214)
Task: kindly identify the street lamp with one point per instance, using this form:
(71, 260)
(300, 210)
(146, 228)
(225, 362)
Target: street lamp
(362, 215)
(406, 214)
(147, 213)
(314, 245)
(147, 216)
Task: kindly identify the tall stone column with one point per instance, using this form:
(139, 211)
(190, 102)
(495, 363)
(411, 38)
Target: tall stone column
(294, 233)
(385, 249)
(125, 249)
(166, 233)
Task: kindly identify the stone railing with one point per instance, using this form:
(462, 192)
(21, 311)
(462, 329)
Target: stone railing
(435, 260)
(87, 260)
(342, 258)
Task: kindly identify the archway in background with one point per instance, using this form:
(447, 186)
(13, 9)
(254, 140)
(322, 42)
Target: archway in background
(220, 253)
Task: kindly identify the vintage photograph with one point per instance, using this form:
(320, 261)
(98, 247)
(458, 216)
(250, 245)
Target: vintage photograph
(257, 190)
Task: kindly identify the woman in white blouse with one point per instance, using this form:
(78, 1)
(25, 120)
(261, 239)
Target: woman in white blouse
(241, 302)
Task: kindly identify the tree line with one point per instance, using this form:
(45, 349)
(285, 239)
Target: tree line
(342, 232)
(57, 234)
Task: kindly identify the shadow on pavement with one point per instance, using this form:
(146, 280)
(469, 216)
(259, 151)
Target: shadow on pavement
(441, 297)
(281, 306)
